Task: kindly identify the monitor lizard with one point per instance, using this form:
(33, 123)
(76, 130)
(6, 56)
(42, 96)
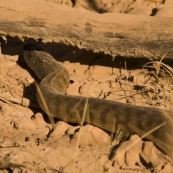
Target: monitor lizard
(111, 116)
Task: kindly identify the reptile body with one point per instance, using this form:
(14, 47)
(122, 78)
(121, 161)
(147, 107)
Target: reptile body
(112, 116)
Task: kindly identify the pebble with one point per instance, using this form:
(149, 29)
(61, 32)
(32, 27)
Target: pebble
(60, 129)
(165, 11)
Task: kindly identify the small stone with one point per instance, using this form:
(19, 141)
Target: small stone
(168, 2)
(147, 11)
(96, 72)
(90, 136)
(148, 153)
(168, 168)
(12, 58)
(72, 130)
(24, 123)
(76, 77)
(90, 89)
(60, 129)
(165, 11)
(39, 120)
(6, 109)
(73, 88)
(128, 153)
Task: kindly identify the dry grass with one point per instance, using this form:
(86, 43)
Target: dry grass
(161, 89)
(155, 89)
(44, 104)
(163, 74)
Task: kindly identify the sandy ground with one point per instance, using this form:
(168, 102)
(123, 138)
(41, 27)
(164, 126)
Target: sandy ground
(27, 142)
(26, 136)
(161, 8)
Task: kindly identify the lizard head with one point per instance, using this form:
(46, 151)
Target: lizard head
(39, 60)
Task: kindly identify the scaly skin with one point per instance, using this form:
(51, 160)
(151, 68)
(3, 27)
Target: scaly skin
(108, 115)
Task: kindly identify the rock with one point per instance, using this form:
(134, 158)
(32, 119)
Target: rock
(128, 152)
(168, 2)
(99, 136)
(75, 67)
(72, 130)
(90, 136)
(152, 5)
(168, 168)
(7, 109)
(60, 129)
(90, 89)
(95, 89)
(63, 2)
(96, 72)
(114, 9)
(149, 152)
(100, 6)
(109, 78)
(76, 77)
(73, 88)
(145, 10)
(11, 58)
(22, 122)
(117, 95)
(39, 120)
(139, 76)
(99, 165)
(165, 11)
